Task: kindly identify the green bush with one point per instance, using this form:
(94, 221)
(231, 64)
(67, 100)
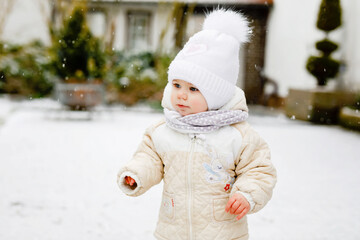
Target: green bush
(140, 77)
(329, 16)
(326, 46)
(76, 54)
(25, 70)
(324, 67)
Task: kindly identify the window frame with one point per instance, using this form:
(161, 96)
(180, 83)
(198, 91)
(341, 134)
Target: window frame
(129, 34)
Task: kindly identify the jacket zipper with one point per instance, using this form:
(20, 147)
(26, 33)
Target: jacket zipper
(193, 139)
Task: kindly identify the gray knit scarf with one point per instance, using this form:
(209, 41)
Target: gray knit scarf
(203, 122)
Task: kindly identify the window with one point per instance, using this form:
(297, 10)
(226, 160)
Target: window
(138, 36)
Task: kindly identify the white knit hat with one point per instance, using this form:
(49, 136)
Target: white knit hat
(210, 59)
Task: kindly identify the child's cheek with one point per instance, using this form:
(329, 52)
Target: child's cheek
(198, 104)
(195, 102)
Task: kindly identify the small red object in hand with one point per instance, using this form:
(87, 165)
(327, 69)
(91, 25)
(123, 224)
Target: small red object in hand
(129, 180)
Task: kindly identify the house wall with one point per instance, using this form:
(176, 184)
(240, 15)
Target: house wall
(117, 14)
(351, 46)
(162, 19)
(26, 21)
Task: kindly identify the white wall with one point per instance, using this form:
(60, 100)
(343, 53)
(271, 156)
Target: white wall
(120, 26)
(161, 19)
(26, 22)
(351, 45)
(291, 38)
(97, 23)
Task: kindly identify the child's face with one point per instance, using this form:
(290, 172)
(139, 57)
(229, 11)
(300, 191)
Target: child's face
(186, 98)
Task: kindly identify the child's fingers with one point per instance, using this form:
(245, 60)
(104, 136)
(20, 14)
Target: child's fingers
(234, 207)
(242, 213)
(237, 206)
(229, 204)
(239, 210)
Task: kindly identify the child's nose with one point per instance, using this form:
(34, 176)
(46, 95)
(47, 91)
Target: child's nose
(182, 95)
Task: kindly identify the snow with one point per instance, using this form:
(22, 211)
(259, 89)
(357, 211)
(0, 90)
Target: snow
(58, 176)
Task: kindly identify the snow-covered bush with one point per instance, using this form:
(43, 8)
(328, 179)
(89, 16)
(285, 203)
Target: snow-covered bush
(140, 77)
(24, 70)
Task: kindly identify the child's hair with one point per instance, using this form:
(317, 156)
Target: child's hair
(210, 59)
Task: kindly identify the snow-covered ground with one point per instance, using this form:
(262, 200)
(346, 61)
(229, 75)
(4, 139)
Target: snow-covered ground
(58, 176)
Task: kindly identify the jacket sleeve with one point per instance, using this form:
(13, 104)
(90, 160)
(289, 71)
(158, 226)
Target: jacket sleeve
(256, 176)
(145, 167)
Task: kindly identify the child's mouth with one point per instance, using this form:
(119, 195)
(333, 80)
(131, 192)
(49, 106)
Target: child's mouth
(181, 106)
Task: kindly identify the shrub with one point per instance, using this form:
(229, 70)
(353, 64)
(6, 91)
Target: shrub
(329, 16)
(25, 70)
(140, 77)
(77, 54)
(324, 66)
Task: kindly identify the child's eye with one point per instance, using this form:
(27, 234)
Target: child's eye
(176, 85)
(193, 89)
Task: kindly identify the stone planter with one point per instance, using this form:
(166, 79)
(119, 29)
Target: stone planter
(350, 118)
(80, 96)
(317, 105)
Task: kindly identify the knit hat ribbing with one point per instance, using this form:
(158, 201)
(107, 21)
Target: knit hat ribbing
(210, 60)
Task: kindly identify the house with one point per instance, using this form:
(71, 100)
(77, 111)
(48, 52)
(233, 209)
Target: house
(284, 35)
(153, 25)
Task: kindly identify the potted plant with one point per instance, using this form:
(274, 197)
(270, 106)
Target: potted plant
(79, 63)
(321, 105)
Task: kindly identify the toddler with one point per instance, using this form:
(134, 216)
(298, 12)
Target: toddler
(215, 167)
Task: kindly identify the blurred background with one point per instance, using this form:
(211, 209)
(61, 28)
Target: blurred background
(123, 48)
(80, 80)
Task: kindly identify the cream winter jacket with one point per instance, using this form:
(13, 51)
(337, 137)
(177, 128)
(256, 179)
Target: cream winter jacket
(200, 173)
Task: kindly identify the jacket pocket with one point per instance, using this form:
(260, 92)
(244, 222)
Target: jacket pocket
(167, 209)
(219, 213)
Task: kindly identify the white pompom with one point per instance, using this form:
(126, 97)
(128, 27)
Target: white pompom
(229, 22)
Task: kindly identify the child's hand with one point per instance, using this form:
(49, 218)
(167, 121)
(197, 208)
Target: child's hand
(130, 181)
(237, 205)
